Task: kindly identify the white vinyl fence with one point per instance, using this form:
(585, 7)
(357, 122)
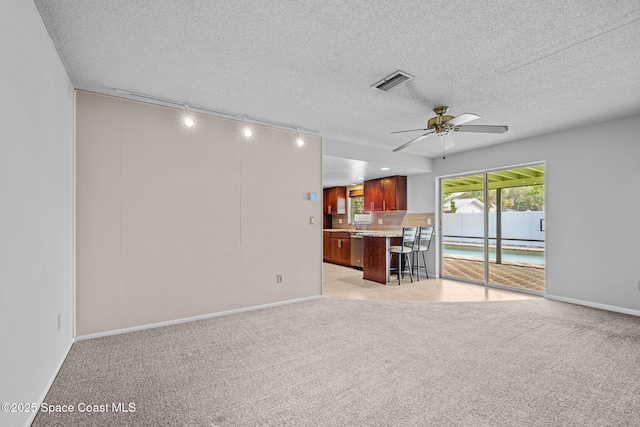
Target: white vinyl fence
(515, 225)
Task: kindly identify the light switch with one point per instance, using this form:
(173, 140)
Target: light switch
(428, 221)
(339, 220)
(312, 220)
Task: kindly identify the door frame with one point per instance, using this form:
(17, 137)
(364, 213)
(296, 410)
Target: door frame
(439, 219)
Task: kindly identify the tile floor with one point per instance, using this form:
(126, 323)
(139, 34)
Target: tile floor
(345, 282)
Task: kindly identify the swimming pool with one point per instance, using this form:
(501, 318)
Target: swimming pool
(507, 255)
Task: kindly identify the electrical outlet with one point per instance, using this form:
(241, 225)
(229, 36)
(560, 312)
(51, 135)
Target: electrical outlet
(59, 320)
(428, 221)
(379, 221)
(339, 220)
(279, 278)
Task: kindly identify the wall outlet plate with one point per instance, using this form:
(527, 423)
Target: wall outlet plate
(379, 221)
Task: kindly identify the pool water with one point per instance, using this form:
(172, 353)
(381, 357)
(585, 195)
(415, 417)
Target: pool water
(533, 258)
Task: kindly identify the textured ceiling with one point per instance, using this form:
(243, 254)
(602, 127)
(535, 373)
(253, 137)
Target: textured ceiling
(536, 66)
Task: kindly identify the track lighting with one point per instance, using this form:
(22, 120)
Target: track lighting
(203, 110)
(298, 138)
(188, 121)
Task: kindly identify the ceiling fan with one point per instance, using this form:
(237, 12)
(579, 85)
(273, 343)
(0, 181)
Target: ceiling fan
(442, 125)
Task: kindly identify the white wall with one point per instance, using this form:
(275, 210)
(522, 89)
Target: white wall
(36, 208)
(176, 222)
(594, 171)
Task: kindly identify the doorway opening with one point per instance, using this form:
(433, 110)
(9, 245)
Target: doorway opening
(493, 228)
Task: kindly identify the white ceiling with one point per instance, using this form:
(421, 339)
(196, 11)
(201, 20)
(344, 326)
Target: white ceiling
(537, 66)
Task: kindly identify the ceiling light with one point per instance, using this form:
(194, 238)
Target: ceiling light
(360, 178)
(300, 142)
(188, 120)
(247, 132)
(226, 115)
(384, 169)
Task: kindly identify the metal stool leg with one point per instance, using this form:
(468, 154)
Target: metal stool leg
(424, 261)
(410, 268)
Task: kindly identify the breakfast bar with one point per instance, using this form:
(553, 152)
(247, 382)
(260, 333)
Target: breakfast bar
(377, 258)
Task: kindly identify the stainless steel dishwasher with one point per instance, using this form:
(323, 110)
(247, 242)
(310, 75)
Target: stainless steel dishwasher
(357, 252)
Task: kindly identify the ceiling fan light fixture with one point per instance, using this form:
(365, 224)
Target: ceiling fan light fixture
(392, 80)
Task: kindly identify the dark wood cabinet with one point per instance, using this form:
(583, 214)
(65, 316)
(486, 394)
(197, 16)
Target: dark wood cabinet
(335, 200)
(326, 246)
(337, 247)
(345, 250)
(377, 258)
(373, 195)
(386, 194)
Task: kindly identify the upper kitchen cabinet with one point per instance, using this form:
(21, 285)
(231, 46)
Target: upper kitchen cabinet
(386, 194)
(335, 200)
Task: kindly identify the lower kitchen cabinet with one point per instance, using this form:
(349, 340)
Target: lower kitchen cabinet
(337, 247)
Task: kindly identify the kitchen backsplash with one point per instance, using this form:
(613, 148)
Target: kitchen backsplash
(390, 221)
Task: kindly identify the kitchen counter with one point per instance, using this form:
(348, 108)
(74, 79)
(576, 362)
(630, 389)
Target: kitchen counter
(376, 257)
(373, 233)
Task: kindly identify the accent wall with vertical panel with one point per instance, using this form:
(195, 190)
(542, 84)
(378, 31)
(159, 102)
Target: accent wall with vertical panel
(176, 222)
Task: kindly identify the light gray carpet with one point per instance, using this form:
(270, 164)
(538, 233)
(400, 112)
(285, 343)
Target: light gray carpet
(332, 362)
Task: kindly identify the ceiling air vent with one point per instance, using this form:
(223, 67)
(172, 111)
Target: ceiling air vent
(392, 80)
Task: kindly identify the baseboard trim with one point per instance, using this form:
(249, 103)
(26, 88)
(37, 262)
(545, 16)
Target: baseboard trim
(191, 319)
(595, 305)
(49, 384)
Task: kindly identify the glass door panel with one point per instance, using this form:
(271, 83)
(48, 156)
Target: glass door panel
(463, 228)
(517, 238)
(493, 228)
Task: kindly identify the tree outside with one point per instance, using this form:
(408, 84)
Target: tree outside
(515, 198)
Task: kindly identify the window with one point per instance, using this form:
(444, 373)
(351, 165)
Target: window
(357, 207)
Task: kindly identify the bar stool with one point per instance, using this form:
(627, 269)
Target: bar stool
(409, 235)
(423, 243)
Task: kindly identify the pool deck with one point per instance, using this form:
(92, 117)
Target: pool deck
(517, 275)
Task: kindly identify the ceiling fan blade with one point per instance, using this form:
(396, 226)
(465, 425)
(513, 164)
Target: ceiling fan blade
(462, 119)
(403, 146)
(412, 130)
(483, 129)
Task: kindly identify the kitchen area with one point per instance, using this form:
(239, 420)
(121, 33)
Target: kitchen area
(361, 222)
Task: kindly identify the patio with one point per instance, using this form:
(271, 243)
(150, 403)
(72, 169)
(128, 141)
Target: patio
(517, 275)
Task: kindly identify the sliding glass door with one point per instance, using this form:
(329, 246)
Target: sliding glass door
(463, 227)
(493, 228)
